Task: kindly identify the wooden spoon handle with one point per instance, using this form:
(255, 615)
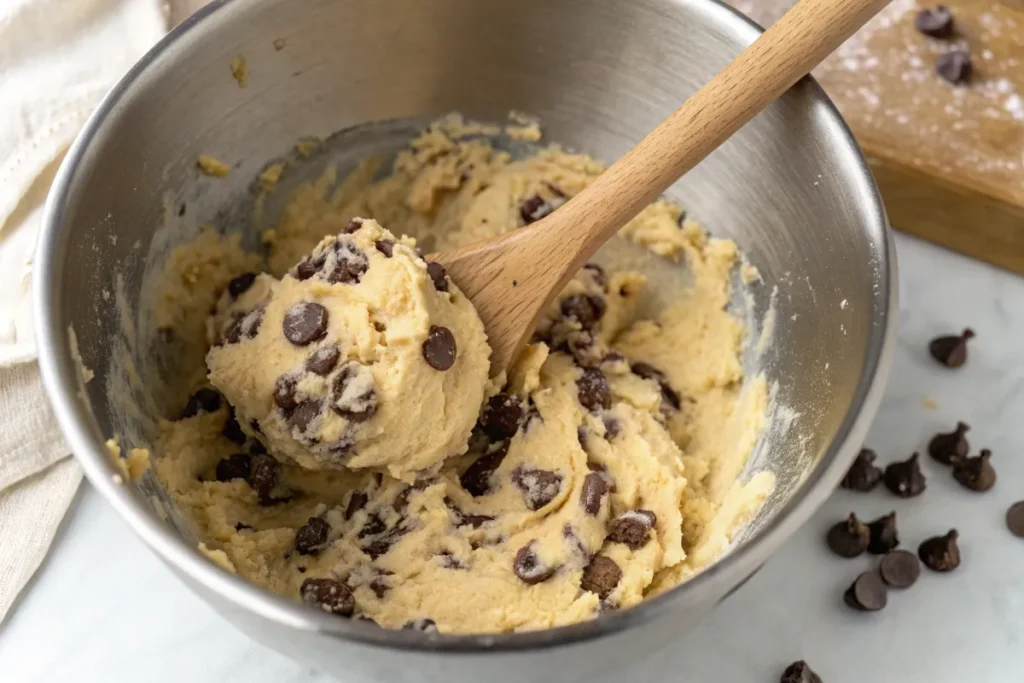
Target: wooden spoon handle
(782, 55)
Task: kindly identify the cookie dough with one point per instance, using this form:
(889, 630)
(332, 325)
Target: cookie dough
(604, 471)
(362, 355)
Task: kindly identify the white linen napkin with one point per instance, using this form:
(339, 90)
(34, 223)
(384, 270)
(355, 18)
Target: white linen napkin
(57, 59)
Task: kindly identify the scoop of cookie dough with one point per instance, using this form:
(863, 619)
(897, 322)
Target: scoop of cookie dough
(363, 355)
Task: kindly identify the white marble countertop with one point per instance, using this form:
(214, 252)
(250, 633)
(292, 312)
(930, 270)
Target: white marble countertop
(103, 608)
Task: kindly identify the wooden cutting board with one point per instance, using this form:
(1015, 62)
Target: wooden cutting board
(949, 159)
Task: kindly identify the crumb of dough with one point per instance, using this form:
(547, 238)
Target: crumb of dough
(212, 167)
(749, 274)
(270, 175)
(85, 374)
(929, 403)
(523, 127)
(133, 465)
(218, 557)
(240, 71)
(305, 147)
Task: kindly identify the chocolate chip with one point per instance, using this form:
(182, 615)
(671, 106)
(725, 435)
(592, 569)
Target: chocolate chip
(884, 535)
(977, 473)
(312, 537)
(205, 400)
(632, 528)
(601, 576)
(438, 276)
(449, 561)
(239, 526)
(585, 309)
(899, 569)
(955, 68)
(502, 416)
(232, 431)
(951, 350)
(356, 502)
(529, 567)
(263, 477)
(284, 394)
(349, 264)
(597, 273)
(477, 477)
(304, 414)
(936, 23)
(799, 672)
(612, 428)
(423, 625)
(235, 466)
(867, 593)
(352, 226)
(536, 207)
(329, 595)
(594, 490)
(948, 448)
(382, 545)
(309, 266)
(373, 526)
(848, 538)
(648, 371)
(905, 478)
(353, 395)
(439, 348)
(323, 360)
(380, 587)
(1015, 519)
(244, 327)
(241, 284)
(305, 323)
(940, 553)
(539, 487)
(862, 475)
(593, 390)
(613, 357)
(386, 247)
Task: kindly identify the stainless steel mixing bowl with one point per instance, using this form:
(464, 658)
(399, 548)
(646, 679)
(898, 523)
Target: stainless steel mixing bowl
(791, 188)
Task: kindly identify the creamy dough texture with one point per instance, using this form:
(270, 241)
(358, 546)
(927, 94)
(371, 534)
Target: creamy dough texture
(603, 472)
(362, 355)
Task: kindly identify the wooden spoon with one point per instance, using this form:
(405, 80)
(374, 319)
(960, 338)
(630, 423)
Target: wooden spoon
(512, 279)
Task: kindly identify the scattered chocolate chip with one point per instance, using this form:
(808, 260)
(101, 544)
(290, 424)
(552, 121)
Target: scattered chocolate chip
(383, 544)
(539, 487)
(309, 266)
(284, 394)
(438, 276)
(799, 672)
(232, 431)
(899, 569)
(352, 226)
(598, 274)
(936, 23)
(613, 357)
(305, 323)
(323, 360)
(439, 348)
(905, 478)
(241, 284)
(379, 585)
(386, 247)
(648, 371)
(1015, 519)
(205, 400)
(235, 466)
(884, 535)
(181, 209)
(849, 538)
(951, 350)
(862, 475)
(632, 528)
(867, 593)
(955, 68)
(585, 309)
(373, 526)
(424, 625)
(612, 428)
(534, 208)
(449, 561)
(356, 501)
(239, 526)
(477, 477)
(977, 473)
(304, 414)
(593, 390)
(940, 553)
(594, 490)
(601, 576)
(311, 538)
(263, 476)
(353, 395)
(349, 264)
(329, 595)
(245, 327)
(948, 448)
(529, 567)
(502, 416)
